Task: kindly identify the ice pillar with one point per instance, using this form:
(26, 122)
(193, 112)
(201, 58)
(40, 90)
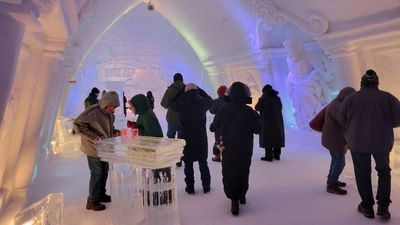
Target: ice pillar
(346, 64)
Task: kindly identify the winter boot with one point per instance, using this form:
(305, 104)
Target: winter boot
(366, 211)
(206, 189)
(243, 200)
(190, 189)
(334, 189)
(341, 184)
(383, 212)
(277, 153)
(95, 206)
(268, 155)
(235, 207)
(105, 198)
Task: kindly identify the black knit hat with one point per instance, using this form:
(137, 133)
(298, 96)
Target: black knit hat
(177, 77)
(95, 91)
(370, 78)
(266, 88)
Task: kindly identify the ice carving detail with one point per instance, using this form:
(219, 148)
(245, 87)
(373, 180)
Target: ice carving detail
(308, 83)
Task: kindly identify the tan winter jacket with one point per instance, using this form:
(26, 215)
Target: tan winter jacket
(95, 121)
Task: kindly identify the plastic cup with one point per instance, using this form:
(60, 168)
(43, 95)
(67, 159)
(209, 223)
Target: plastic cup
(134, 132)
(124, 132)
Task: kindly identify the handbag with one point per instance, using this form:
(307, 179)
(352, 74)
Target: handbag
(318, 121)
(220, 143)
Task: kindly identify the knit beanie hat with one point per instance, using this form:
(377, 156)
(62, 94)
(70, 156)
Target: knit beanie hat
(190, 87)
(370, 78)
(95, 90)
(109, 98)
(221, 90)
(266, 88)
(178, 76)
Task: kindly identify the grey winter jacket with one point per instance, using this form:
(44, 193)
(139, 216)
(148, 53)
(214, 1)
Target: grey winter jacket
(369, 116)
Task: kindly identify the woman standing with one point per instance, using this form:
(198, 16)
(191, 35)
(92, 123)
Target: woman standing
(334, 140)
(147, 121)
(237, 123)
(272, 136)
(192, 106)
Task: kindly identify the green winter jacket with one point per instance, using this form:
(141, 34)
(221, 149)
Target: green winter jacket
(91, 100)
(147, 121)
(170, 93)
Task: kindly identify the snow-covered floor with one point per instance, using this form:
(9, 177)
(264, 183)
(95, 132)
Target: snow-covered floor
(286, 192)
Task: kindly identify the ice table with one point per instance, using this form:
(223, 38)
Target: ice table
(142, 179)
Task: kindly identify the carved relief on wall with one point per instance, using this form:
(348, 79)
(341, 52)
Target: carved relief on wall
(268, 15)
(310, 81)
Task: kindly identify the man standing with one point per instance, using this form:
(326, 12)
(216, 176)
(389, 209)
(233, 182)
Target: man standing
(94, 124)
(369, 116)
(174, 125)
(92, 98)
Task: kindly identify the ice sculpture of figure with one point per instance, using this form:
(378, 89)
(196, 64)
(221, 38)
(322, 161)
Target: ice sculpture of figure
(305, 83)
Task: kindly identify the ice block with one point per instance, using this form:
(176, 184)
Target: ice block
(142, 152)
(48, 211)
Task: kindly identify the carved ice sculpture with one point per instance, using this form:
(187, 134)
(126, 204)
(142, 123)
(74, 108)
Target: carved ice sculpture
(48, 211)
(64, 140)
(142, 172)
(308, 82)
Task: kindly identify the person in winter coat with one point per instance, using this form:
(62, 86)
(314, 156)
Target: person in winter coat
(333, 138)
(147, 122)
(148, 125)
(174, 125)
(217, 103)
(369, 116)
(92, 98)
(272, 136)
(192, 106)
(237, 123)
(94, 124)
(150, 99)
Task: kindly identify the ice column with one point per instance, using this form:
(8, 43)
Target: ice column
(143, 179)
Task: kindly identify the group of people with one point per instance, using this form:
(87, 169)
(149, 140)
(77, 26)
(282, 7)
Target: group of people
(362, 121)
(234, 123)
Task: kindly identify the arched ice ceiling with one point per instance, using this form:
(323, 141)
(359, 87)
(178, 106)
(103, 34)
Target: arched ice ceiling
(218, 29)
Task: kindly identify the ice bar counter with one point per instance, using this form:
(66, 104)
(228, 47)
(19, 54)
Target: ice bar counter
(142, 179)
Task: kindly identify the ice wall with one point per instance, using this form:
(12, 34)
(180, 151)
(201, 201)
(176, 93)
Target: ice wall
(139, 53)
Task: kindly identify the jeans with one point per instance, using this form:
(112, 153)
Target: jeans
(337, 165)
(98, 178)
(174, 129)
(204, 174)
(362, 171)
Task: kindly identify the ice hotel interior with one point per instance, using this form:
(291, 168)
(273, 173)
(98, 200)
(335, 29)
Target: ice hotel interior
(53, 52)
